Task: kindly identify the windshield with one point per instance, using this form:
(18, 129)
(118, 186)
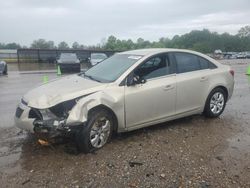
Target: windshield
(98, 56)
(112, 68)
(68, 56)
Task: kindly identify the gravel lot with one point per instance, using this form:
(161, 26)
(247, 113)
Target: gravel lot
(190, 152)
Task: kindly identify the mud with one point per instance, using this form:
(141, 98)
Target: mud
(190, 152)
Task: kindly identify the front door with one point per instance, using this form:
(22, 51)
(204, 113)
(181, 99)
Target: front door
(155, 99)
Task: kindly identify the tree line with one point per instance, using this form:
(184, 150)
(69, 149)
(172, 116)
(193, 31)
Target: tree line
(199, 40)
(203, 41)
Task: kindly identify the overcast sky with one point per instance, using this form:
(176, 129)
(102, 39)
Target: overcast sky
(90, 21)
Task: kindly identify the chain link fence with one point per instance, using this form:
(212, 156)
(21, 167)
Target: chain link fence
(51, 55)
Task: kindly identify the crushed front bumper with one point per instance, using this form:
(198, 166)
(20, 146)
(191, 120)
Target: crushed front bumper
(22, 119)
(43, 128)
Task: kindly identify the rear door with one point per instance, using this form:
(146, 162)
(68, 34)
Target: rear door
(191, 83)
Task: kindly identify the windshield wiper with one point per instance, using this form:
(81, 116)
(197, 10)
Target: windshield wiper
(90, 77)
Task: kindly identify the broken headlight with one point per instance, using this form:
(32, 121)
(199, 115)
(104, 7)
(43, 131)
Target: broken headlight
(62, 109)
(59, 111)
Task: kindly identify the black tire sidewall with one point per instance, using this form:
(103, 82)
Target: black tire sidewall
(83, 136)
(207, 110)
(5, 70)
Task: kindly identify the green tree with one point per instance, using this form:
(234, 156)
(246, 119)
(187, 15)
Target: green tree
(244, 31)
(42, 44)
(12, 45)
(111, 43)
(63, 45)
(199, 40)
(75, 45)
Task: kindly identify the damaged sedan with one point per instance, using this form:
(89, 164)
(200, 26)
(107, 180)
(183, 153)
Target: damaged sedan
(127, 91)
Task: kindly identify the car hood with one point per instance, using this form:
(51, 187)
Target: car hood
(60, 90)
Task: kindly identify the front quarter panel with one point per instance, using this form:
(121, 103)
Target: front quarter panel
(112, 97)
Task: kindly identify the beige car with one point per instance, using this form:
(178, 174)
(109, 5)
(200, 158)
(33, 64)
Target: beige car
(127, 91)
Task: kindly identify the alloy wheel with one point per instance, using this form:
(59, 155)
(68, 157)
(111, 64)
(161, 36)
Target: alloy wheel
(217, 102)
(100, 132)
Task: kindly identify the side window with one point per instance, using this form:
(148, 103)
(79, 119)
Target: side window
(154, 62)
(155, 67)
(212, 66)
(205, 64)
(186, 62)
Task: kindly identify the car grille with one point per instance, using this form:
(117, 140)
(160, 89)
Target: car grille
(19, 112)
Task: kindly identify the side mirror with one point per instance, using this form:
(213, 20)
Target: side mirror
(135, 79)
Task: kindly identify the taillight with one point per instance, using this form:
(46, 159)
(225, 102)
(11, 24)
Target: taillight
(231, 72)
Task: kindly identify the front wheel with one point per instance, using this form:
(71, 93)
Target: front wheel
(215, 103)
(97, 131)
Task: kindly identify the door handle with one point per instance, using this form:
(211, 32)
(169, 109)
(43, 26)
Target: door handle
(168, 87)
(203, 78)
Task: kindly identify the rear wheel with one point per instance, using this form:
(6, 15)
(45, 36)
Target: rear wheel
(96, 133)
(215, 103)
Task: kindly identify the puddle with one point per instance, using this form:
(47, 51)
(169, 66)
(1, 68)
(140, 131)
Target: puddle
(241, 144)
(9, 159)
(11, 143)
(248, 80)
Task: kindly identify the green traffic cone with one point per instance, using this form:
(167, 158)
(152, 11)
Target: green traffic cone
(248, 70)
(45, 79)
(59, 70)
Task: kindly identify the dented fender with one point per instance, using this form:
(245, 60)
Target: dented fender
(79, 113)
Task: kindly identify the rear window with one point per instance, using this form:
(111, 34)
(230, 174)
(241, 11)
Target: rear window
(186, 62)
(205, 64)
(68, 56)
(189, 62)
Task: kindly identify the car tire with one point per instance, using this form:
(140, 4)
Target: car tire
(5, 71)
(96, 132)
(215, 103)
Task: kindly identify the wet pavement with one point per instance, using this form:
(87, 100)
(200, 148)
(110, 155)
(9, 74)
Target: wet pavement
(190, 152)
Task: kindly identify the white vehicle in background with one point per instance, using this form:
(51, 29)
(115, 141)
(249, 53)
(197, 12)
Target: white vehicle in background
(128, 91)
(69, 63)
(97, 58)
(3, 67)
(241, 55)
(248, 55)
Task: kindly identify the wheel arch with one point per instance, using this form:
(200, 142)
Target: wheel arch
(221, 87)
(104, 107)
(218, 86)
(205, 109)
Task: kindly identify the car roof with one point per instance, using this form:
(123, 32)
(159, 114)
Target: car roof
(152, 51)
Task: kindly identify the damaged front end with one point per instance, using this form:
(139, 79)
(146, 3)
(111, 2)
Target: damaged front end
(51, 122)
